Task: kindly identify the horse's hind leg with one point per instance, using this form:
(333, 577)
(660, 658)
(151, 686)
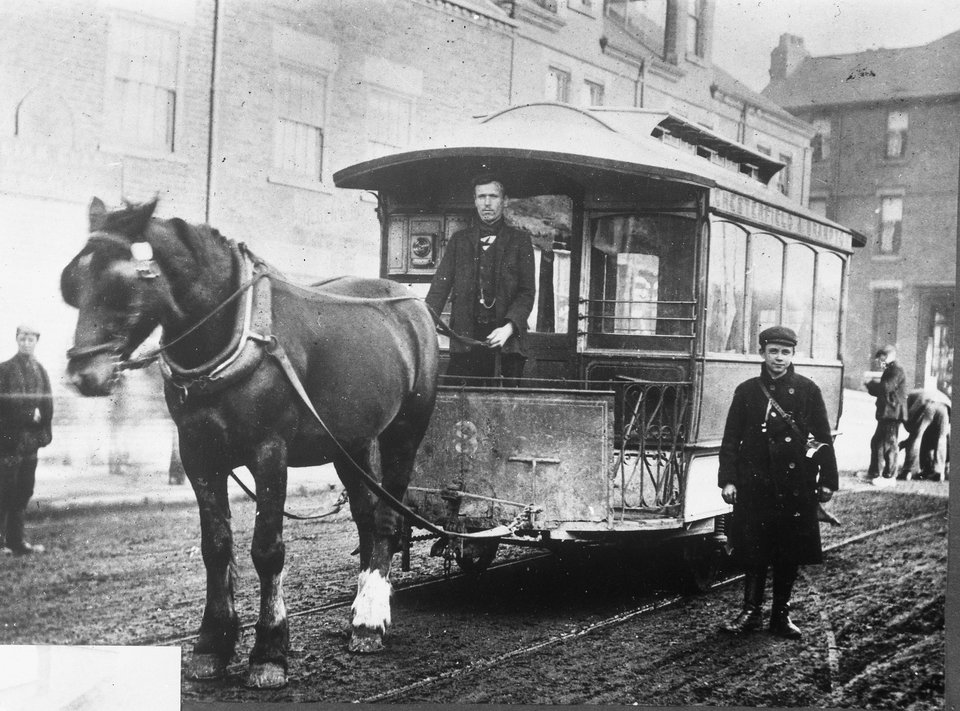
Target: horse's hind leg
(268, 659)
(220, 626)
(371, 608)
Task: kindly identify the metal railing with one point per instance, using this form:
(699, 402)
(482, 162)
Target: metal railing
(652, 429)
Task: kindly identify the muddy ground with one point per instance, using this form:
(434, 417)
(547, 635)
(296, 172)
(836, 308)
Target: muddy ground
(873, 616)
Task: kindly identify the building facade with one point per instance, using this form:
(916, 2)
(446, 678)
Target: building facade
(886, 158)
(238, 112)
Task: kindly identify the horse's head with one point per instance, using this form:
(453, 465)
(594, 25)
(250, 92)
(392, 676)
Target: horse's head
(119, 292)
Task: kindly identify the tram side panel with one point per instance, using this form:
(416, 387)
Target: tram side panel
(491, 455)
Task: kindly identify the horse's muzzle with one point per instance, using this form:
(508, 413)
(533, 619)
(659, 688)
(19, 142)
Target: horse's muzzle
(94, 376)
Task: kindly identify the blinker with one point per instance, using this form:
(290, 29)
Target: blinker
(142, 253)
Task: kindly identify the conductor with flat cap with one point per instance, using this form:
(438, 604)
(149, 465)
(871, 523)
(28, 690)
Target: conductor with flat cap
(26, 411)
(774, 484)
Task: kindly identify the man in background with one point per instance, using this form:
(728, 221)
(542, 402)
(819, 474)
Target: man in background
(26, 412)
(928, 427)
(891, 394)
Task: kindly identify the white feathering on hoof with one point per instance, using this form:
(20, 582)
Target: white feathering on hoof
(371, 608)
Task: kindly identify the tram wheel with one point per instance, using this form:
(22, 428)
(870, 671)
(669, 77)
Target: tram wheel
(702, 562)
(475, 556)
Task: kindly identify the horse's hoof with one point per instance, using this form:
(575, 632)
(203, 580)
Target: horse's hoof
(206, 666)
(266, 676)
(364, 640)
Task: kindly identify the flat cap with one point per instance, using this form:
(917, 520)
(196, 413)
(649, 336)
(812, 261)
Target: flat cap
(778, 334)
(28, 328)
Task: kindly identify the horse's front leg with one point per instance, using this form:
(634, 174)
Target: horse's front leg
(371, 608)
(220, 626)
(268, 659)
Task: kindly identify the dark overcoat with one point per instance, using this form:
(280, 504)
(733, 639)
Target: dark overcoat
(891, 393)
(456, 278)
(18, 402)
(775, 516)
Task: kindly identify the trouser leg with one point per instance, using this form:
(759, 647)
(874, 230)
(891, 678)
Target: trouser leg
(750, 617)
(8, 480)
(875, 448)
(21, 492)
(890, 447)
(784, 576)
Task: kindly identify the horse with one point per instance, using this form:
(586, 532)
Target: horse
(262, 373)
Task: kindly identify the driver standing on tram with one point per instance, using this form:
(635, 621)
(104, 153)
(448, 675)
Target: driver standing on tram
(487, 270)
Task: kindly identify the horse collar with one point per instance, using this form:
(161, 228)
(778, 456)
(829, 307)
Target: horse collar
(246, 348)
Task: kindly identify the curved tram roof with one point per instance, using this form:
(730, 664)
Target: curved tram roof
(579, 145)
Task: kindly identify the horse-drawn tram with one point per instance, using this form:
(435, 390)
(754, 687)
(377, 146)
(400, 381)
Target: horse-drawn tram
(660, 253)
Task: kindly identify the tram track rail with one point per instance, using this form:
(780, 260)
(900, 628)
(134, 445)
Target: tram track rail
(644, 609)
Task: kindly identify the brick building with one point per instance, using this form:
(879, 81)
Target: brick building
(886, 160)
(237, 113)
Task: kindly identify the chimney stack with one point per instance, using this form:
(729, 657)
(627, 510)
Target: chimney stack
(788, 55)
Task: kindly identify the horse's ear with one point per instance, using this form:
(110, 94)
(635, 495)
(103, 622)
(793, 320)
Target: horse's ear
(98, 214)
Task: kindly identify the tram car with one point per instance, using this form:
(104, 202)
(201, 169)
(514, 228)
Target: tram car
(662, 250)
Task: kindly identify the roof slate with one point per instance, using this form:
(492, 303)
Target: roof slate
(873, 76)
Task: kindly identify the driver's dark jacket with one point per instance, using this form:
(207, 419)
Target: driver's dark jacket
(777, 484)
(515, 290)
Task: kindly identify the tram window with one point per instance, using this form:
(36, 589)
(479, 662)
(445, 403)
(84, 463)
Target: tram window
(826, 322)
(641, 280)
(765, 277)
(549, 221)
(728, 268)
(798, 294)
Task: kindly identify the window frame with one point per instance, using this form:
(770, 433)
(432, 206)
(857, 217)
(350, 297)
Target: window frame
(901, 133)
(559, 72)
(695, 29)
(745, 337)
(116, 142)
(821, 140)
(897, 236)
(278, 173)
(390, 93)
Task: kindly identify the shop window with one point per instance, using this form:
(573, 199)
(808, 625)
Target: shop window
(298, 141)
(765, 279)
(897, 124)
(728, 268)
(891, 225)
(558, 85)
(142, 106)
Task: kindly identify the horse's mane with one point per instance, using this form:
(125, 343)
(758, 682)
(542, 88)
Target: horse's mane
(134, 219)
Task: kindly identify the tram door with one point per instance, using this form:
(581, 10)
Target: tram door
(551, 338)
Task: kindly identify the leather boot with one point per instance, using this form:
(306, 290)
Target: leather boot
(750, 618)
(781, 625)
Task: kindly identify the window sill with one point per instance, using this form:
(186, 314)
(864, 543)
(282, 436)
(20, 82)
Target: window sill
(580, 8)
(299, 181)
(887, 257)
(142, 153)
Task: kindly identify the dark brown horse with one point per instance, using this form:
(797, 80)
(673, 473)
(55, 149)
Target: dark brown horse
(365, 351)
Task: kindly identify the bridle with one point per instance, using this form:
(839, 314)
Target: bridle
(141, 254)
